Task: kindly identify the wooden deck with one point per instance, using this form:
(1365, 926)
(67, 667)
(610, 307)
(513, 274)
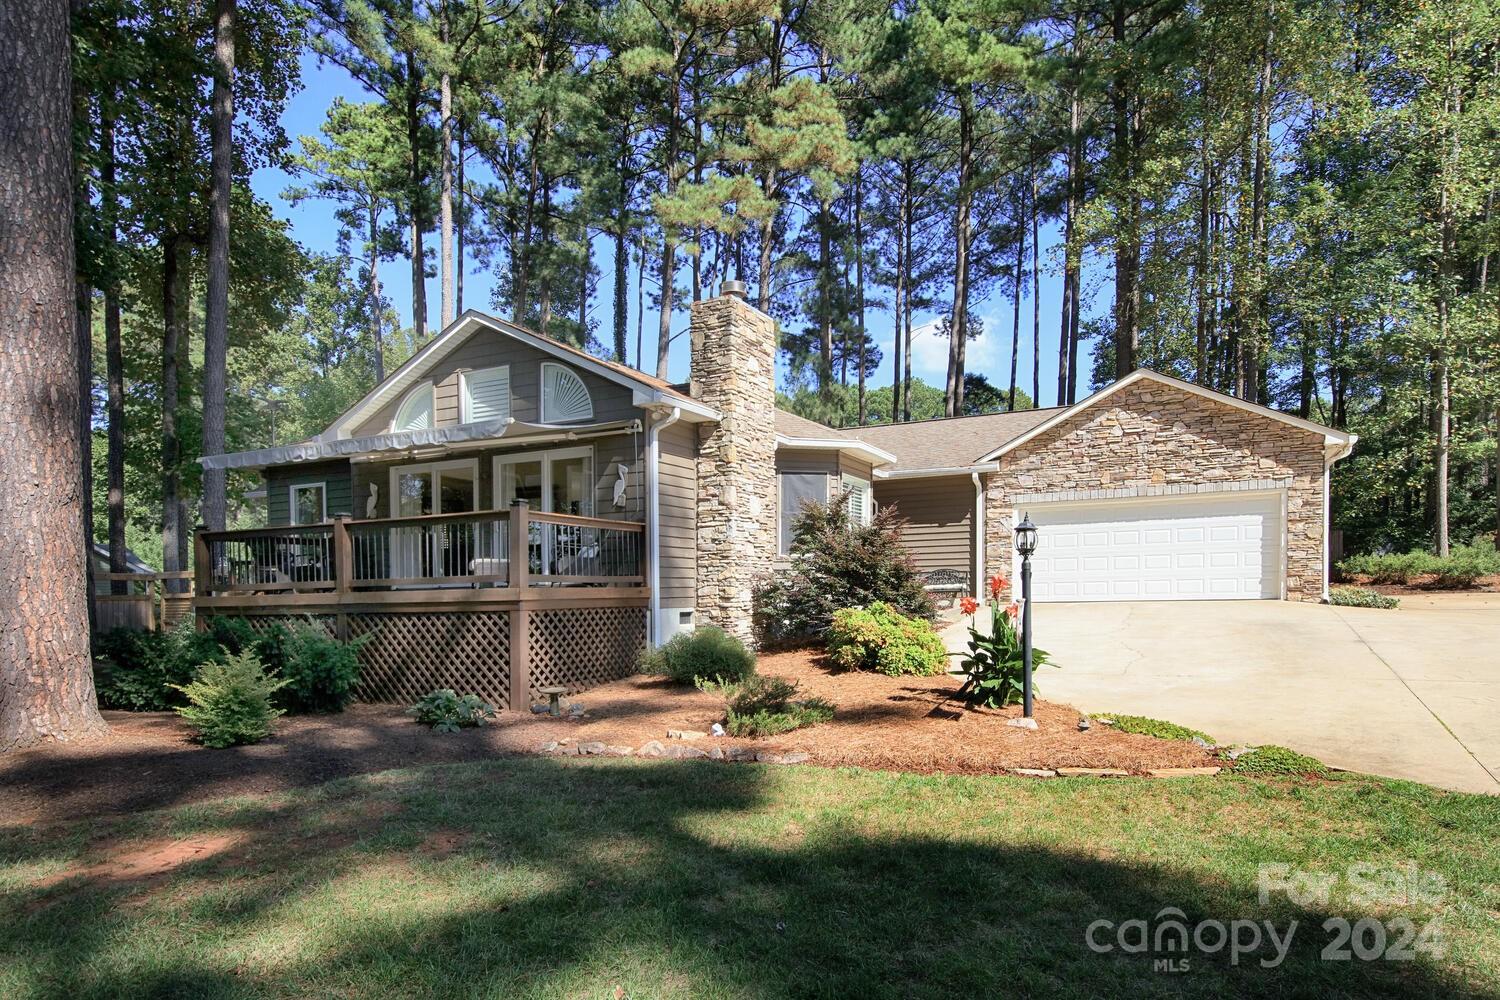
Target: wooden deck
(501, 603)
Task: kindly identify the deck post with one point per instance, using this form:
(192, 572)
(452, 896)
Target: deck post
(520, 615)
(343, 554)
(520, 545)
(203, 572)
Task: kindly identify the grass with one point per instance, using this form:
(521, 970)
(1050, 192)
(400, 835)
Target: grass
(605, 878)
(1153, 727)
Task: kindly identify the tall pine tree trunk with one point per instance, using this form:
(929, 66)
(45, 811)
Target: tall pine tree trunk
(445, 238)
(1122, 96)
(216, 313)
(372, 292)
(1015, 315)
(46, 676)
(414, 196)
(900, 303)
(458, 230)
(171, 349)
(859, 282)
(114, 356)
(669, 240)
(958, 329)
(1036, 300)
(622, 256)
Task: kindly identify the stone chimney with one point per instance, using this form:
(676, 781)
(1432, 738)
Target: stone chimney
(734, 371)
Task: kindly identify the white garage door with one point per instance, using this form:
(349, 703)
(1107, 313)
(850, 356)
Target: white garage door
(1176, 549)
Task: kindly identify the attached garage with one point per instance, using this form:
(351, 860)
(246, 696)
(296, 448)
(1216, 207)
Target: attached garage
(1204, 547)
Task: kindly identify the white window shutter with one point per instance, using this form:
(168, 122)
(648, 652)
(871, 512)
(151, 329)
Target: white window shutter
(564, 396)
(415, 413)
(488, 394)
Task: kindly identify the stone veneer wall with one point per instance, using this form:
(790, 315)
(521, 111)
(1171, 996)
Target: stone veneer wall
(1151, 438)
(734, 371)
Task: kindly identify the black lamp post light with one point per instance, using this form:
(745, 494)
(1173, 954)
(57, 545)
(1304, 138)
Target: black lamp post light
(1026, 545)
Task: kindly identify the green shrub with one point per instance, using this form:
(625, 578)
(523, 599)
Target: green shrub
(229, 703)
(880, 638)
(1360, 597)
(767, 706)
(704, 652)
(1278, 762)
(321, 672)
(144, 671)
(447, 712)
(1464, 566)
(1154, 727)
(835, 564)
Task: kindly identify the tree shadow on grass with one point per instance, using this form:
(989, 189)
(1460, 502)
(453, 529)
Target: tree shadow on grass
(572, 878)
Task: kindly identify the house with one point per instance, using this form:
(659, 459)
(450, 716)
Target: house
(505, 513)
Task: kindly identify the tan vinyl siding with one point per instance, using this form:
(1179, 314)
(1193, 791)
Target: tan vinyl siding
(487, 348)
(281, 479)
(677, 486)
(940, 519)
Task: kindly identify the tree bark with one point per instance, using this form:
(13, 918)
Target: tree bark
(1127, 334)
(377, 334)
(900, 302)
(216, 312)
(669, 240)
(859, 283)
(622, 255)
(958, 327)
(46, 677)
(445, 238)
(170, 447)
(414, 197)
(458, 230)
(1015, 315)
(1036, 301)
(114, 358)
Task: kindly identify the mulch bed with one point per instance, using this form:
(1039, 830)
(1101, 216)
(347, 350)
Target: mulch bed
(1424, 584)
(149, 760)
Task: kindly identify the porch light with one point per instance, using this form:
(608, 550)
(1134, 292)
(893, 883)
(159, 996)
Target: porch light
(1025, 536)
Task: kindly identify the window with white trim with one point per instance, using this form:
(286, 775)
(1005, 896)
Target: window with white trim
(415, 411)
(309, 503)
(564, 396)
(486, 394)
(860, 503)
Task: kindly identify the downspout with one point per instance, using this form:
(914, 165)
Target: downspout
(978, 535)
(653, 522)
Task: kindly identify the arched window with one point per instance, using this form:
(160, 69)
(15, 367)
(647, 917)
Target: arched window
(564, 396)
(415, 411)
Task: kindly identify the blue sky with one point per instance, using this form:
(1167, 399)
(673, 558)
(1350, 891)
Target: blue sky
(314, 226)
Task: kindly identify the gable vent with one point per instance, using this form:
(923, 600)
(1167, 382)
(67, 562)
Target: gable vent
(564, 396)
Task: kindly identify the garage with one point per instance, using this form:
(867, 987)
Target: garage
(1177, 548)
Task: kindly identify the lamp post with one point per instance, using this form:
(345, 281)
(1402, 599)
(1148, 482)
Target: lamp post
(1026, 545)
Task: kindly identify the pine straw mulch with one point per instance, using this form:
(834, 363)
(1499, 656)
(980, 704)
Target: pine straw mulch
(149, 760)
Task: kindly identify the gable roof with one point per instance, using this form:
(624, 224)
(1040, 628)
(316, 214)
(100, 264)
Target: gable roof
(1331, 437)
(647, 389)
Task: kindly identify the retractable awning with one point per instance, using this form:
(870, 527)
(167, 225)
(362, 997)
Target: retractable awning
(473, 435)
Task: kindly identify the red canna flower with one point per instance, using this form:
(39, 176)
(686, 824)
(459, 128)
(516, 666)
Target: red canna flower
(997, 584)
(1014, 611)
(968, 605)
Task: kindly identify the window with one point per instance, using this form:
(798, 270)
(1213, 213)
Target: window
(309, 503)
(860, 504)
(797, 489)
(486, 394)
(415, 411)
(558, 482)
(564, 396)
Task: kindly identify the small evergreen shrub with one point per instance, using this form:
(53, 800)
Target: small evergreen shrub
(767, 706)
(1360, 597)
(446, 711)
(321, 672)
(837, 563)
(705, 652)
(229, 703)
(882, 639)
(1279, 762)
(1154, 727)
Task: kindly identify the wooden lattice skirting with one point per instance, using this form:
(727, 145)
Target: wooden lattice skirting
(580, 648)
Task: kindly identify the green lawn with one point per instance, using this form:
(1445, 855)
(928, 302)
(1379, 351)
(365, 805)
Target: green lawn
(535, 877)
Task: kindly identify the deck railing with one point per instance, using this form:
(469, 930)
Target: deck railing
(502, 548)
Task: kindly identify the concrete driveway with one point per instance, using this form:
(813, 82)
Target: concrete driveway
(1411, 693)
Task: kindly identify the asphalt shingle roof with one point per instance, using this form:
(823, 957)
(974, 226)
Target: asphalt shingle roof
(944, 443)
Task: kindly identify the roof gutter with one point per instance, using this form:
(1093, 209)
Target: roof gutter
(878, 456)
(954, 470)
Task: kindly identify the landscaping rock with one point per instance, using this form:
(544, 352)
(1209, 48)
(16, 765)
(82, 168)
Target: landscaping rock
(1021, 723)
(1200, 741)
(615, 750)
(685, 734)
(1092, 772)
(717, 729)
(1083, 723)
(1235, 753)
(740, 754)
(537, 708)
(576, 709)
(796, 757)
(1104, 722)
(571, 750)
(592, 747)
(549, 747)
(766, 757)
(684, 752)
(717, 753)
(653, 748)
(1035, 772)
(1182, 772)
